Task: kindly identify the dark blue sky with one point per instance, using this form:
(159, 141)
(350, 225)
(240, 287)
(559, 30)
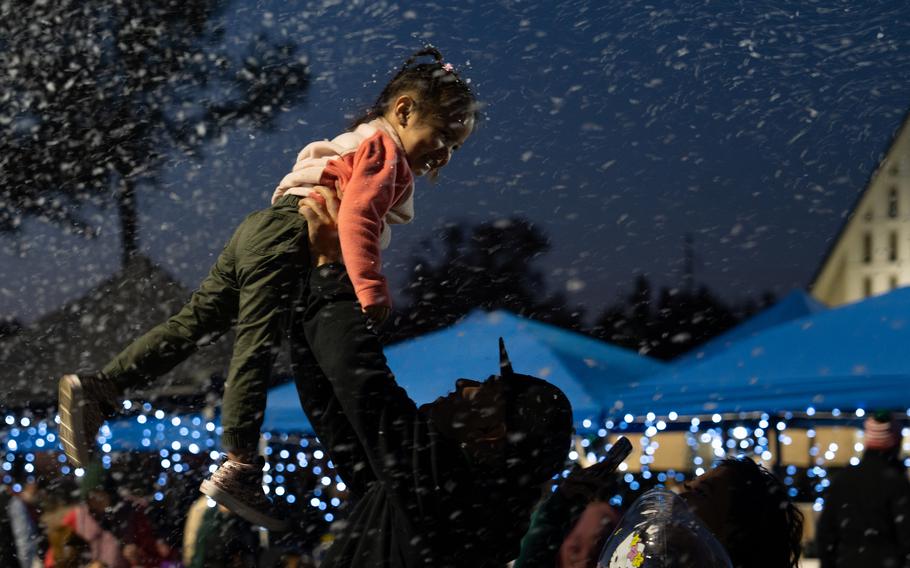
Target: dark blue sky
(616, 128)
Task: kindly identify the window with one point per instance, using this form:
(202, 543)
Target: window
(867, 286)
(892, 203)
(867, 248)
(892, 246)
(893, 282)
(868, 215)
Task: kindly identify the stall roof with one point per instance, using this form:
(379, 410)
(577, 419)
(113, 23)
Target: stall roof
(849, 357)
(427, 366)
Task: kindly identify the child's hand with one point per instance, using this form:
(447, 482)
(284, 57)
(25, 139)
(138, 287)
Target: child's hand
(377, 314)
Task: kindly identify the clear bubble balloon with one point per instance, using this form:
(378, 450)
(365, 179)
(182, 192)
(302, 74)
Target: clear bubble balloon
(660, 531)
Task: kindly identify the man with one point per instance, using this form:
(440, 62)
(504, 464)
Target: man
(451, 483)
(866, 519)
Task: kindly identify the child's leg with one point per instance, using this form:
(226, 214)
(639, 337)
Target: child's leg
(271, 265)
(84, 402)
(209, 313)
(264, 302)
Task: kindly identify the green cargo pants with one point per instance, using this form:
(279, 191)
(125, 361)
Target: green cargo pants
(252, 286)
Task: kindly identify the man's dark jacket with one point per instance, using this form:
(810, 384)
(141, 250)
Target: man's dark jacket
(419, 499)
(866, 519)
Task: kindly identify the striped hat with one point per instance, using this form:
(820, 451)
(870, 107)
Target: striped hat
(882, 432)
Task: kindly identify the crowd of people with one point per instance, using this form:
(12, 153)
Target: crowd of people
(109, 517)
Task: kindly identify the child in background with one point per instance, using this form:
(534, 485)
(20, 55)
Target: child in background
(423, 115)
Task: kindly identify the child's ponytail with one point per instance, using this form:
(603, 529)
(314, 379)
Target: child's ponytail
(427, 50)
(436, 84)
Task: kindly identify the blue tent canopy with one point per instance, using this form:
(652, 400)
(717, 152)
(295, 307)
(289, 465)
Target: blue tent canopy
(283, 412)
(427, 366)
(850, 357)
(795, 305)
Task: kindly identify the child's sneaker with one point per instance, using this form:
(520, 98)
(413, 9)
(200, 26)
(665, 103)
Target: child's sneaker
(83, 408)
(238, 486)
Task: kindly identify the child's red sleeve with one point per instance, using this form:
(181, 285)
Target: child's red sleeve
(367, 198)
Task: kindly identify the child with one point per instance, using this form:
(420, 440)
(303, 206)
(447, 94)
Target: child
(423, 115)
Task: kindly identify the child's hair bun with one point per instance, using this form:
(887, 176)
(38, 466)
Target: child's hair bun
(427, 50)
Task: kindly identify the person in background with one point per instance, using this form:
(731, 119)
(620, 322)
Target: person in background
(745, 507)
(866, 518)
(25, 519)
(68, 550)
(584, 541)
(118, 534)
(568, 528)
(8, 554)
(748, 510)
(224, 540)
(191, 527)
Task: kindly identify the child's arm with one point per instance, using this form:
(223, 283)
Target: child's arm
(367, 197)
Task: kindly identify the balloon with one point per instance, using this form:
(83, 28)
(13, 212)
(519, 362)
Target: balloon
(660, 531)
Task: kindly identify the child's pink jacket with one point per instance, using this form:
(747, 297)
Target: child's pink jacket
(370, 172)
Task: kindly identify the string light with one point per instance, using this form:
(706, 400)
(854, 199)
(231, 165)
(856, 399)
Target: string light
(706, 438)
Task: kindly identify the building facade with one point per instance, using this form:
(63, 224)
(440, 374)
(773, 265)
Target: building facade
(871, 255)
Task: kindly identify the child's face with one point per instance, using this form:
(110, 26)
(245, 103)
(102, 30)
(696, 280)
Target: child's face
(429, 140)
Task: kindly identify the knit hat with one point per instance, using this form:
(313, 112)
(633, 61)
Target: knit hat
(882, 431)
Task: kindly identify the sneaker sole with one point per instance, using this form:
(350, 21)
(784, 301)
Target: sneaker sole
(70, 401)
(236, 506)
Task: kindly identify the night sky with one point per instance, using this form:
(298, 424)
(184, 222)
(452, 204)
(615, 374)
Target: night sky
(615, 127)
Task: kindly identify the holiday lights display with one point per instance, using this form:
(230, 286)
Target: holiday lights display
(775, 441)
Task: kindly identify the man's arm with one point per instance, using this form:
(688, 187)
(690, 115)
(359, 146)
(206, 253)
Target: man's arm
(400, 449)
(327, 418)
(403, 451)
(317, 397)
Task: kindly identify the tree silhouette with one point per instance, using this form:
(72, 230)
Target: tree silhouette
(488, 266)
(9, 326)
(96, 95)
(681, 319)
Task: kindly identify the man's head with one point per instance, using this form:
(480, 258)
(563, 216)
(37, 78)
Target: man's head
(747, 509)
(519, 423)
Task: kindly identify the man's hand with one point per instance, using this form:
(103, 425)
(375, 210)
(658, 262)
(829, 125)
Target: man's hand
(584, 485)
(321, 212)
(320, 209)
